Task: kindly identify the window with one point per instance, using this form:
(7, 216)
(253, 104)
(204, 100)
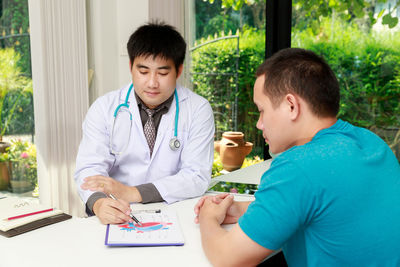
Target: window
(361, 42)
(229, 46)
(18, 174)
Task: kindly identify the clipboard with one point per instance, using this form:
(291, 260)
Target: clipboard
(158, 229)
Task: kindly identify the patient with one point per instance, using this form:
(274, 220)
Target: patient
(331, 198)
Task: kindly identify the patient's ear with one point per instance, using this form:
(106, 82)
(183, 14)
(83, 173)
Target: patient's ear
(293, 105)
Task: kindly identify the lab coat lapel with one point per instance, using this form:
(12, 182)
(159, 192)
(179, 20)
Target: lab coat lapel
(167, 123)
(137, 121)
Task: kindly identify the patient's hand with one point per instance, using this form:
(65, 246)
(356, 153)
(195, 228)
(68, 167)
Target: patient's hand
(232, 215)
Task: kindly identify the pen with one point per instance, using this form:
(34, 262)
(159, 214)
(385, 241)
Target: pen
(27, 214)
(148, 211)
(131, 215)
(152, 211)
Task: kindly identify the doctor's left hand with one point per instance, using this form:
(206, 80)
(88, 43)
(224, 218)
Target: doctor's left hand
(109, 185)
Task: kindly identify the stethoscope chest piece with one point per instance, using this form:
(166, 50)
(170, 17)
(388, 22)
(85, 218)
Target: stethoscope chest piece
(174, 144)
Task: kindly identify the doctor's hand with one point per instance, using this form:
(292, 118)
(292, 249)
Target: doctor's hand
(232, 213)
(112, 211)
(109, 185)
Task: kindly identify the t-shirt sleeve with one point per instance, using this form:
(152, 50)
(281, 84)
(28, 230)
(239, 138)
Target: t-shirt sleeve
(284, 202)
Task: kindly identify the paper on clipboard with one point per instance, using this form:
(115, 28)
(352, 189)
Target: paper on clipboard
(159, 229)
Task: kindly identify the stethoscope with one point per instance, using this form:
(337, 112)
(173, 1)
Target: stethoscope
(174, 143)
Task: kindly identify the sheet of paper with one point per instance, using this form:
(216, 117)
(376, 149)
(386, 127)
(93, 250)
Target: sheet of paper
(159, 229)
(13, 206)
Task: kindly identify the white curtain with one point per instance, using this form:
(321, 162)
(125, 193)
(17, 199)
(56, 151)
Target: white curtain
(60, 83)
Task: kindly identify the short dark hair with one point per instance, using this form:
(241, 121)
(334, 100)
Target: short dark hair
(157, 39)
(300, 71)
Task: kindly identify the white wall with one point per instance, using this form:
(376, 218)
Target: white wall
(176, 13)
(109, 25)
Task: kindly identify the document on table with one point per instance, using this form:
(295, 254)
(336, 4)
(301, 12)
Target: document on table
(16, 207)
(158, 229)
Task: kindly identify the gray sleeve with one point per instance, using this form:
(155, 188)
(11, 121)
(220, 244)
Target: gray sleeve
(91, 200)
(149, 193)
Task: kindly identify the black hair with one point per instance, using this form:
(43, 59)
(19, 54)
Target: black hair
(157, 39)
(300, 71)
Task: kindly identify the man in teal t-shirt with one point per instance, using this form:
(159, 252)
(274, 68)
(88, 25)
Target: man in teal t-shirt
(331, 198)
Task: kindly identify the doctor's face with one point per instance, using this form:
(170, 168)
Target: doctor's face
(154, 79)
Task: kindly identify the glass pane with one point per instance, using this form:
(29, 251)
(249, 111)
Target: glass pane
(229, 46)
(18, 176)
(361, 42)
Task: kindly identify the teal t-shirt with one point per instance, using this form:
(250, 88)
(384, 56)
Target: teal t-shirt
(334, 201)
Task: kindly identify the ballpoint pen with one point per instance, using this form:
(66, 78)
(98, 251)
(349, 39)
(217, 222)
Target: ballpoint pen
(28, 214)
(131, 215)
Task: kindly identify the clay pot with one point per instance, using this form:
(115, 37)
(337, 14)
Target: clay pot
(232, 149)
(4, 168)
(4, 175)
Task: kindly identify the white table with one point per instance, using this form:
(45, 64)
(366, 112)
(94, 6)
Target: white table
(80, 241)
(248, 175)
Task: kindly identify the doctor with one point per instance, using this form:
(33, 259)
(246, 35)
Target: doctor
(149, 141)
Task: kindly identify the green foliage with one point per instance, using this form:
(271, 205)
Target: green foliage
(219, 59)
(233, 187)
(367, 67)
(23, 118)
(212, 18)
(390, 21)
(237, 4)
(311, 10)
(220, 23)
(22, 156)
(15, 20)
(366, 63)
(12, 86)
(217, 164)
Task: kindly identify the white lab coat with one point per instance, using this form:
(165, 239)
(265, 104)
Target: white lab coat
(177, 175)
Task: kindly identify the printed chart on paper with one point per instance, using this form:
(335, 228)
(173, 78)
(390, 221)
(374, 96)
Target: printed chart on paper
(157, 229)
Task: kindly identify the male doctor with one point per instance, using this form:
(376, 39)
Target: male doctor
(149, 141)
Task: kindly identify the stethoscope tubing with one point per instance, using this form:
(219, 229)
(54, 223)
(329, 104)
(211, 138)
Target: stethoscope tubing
(174, 143)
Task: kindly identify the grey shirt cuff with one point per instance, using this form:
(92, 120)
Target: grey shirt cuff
(149, 193)
(91, 200)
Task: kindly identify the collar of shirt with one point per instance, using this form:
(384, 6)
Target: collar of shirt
(160, 110)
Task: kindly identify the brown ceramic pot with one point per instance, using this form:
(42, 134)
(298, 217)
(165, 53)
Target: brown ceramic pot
(232, 149)
(4, 175)
(4, 168)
